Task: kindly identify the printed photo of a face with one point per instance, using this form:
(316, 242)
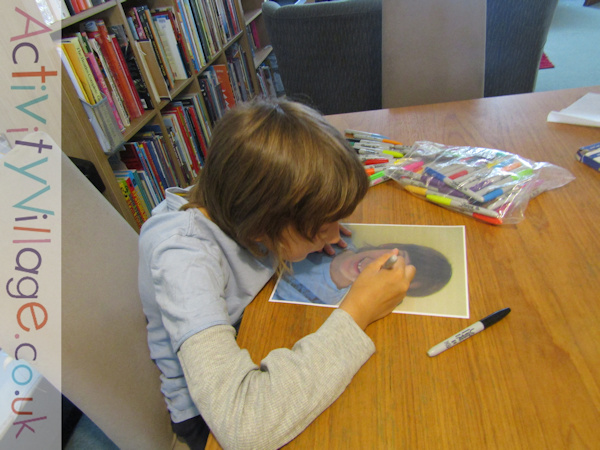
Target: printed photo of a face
(437, 252)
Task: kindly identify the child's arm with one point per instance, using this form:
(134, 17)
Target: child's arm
(247, 406)
(376, 291)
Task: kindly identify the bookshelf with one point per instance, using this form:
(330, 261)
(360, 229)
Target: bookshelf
(181, 114)
(256, 30)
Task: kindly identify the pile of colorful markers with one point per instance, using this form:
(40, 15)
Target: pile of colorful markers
(491, 185)
(377, 153)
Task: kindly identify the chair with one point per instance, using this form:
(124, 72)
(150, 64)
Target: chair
(515, 36)
(328, 53)
(106, 367)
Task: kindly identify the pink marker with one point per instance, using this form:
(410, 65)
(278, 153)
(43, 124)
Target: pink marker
(414, 166)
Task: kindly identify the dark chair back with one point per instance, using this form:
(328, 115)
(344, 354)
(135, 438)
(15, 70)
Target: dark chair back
(516, 31)
(328, 53)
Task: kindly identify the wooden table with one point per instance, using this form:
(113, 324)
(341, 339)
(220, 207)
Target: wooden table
(529, 382)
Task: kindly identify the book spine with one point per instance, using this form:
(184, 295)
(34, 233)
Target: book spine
(185, 132)
(166, 35)
(152, 34)
(117, 70)
(169, 178)
(148, 150)
(143, 194)
(104, 88)
(223, 77)
(199, 41)
(255, 38)
(71, 72)
(112, 85)
(182, 43)
(195, 120)
(126, 193)
(188, 36)
(82, 69)
(127, 74)
(135, 195)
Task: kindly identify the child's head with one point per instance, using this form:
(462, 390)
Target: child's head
(272, 165)
(433, 268)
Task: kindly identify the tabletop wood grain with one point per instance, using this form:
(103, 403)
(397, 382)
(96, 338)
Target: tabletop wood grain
(531, 381)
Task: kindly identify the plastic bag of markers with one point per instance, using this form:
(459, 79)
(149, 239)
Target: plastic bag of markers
(491, 185)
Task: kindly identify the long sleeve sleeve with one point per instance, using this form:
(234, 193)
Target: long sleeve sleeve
(266, 406)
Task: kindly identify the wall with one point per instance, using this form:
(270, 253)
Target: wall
(433, 51)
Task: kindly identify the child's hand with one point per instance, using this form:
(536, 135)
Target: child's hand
(376, 291)
(329, 250)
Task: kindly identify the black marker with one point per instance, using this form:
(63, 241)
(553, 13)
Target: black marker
(468, 332)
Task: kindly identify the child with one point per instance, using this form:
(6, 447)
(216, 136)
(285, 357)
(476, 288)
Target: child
(325, 280)
(276, 181)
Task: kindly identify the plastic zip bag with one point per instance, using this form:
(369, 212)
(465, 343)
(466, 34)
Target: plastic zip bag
(490, 185)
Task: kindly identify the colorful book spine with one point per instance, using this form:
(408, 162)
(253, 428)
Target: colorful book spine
(96, 29)
(103, 87)
(223, 77)
(110, 81)
(75, 53)
(127, 73)
(166, 34)
(127, 194)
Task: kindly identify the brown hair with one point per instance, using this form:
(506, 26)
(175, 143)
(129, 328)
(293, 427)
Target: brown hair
(277, 163)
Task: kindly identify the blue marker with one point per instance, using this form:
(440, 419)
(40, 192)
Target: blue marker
(454, 185)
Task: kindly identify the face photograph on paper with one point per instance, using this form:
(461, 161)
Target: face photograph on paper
(437, 252)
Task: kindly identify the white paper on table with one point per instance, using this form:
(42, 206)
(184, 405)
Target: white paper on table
(585, 111)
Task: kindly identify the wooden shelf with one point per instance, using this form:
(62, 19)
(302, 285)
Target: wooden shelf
(79, 137)
(262, 54)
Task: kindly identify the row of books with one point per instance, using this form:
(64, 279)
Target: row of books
(56, 10)
(149, 168)
(101, 66)
(188, 121)
(146, 171)
(269, 79)
(183, 38)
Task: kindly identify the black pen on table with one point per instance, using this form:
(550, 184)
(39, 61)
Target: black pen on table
(471, 330)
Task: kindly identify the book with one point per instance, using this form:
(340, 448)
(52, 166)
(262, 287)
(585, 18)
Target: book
(182, 128)
(99, 77)
(190, 33)
(236, 57)
(134, 20)
(73, 50)
(152, 34)
(183, 46)
(147, 104)
(158, 84)
(222, 75)
(157, 151)
(135, 193)
(128, 59)
(97, 30)
(193, 13)
(181, 151)
(203, 24)
(71, 72)
(166, 34)
(110, 82)
(154, 198)
(192, 110)
(127, 194)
